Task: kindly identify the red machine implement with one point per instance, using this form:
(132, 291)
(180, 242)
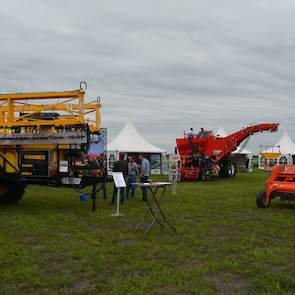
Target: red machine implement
(204, 154)
(281, 184)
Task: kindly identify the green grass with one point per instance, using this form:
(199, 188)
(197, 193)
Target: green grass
(51, 243)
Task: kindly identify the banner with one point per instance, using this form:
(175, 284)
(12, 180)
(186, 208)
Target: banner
(155, 164)
(174, 161)
(98, 142)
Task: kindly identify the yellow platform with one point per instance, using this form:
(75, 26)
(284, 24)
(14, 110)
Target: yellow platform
(270, 155)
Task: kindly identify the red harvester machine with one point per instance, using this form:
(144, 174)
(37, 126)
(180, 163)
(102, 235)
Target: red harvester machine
(205, 153)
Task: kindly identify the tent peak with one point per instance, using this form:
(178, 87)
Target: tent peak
(130, 140)
(221, 132)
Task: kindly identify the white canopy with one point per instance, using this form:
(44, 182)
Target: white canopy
(222, 133)
(286, 144)
(242, 151)
(129, 140)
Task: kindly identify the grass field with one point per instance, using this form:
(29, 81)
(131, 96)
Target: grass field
(51, 243)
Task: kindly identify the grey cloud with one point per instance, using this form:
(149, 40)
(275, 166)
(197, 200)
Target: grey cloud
(169, 65)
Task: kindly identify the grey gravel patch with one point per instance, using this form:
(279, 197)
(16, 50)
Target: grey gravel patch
(229, 283)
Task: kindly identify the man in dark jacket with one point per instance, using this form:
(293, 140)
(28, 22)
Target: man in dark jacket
(120, 166)
(102, 164)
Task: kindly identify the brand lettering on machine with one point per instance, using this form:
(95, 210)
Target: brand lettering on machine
(35, 157)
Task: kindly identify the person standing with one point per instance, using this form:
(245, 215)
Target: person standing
(120, 166)
(92, 166)
(102, 164)
(145, 171)
(83, 159)
(132, 175)
(201, 133)
(190, 134)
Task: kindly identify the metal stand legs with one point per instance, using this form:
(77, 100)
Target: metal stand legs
(154, 209)
(93, 196)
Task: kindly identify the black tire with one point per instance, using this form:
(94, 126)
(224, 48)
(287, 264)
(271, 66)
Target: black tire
(261, 202)
(11, 192)
(227, 169)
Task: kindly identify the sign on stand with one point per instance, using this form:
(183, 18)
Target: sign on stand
(174, 171)
(119, 183)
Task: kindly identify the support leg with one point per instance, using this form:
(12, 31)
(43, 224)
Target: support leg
(162, 213)
(118, 214)
(93, 196)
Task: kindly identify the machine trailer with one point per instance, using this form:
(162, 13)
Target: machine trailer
(42, 136)
(281, 183)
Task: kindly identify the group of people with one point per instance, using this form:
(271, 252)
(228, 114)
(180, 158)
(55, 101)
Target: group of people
(94, 165)
(201, 134)
(131, 171)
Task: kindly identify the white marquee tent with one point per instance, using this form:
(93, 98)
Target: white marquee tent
(130, 141)
(287, 149)
(286, 145)
(221, 132)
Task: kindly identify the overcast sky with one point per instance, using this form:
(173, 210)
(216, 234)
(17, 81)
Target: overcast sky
(168, 65)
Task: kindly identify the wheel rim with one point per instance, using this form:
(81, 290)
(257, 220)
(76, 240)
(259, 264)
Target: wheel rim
(265, 203)
(231, 170)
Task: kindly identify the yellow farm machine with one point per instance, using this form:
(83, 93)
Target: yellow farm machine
(42, 135)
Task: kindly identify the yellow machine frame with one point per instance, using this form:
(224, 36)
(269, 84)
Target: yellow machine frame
(42, 134)
(17, 112)
(70, 102)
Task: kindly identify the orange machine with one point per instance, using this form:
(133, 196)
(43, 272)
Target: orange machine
(281, 184)
(205, 153)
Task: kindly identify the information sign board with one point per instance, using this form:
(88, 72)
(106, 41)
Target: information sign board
(119, 179)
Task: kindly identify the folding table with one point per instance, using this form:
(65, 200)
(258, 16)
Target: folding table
(154, 208)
